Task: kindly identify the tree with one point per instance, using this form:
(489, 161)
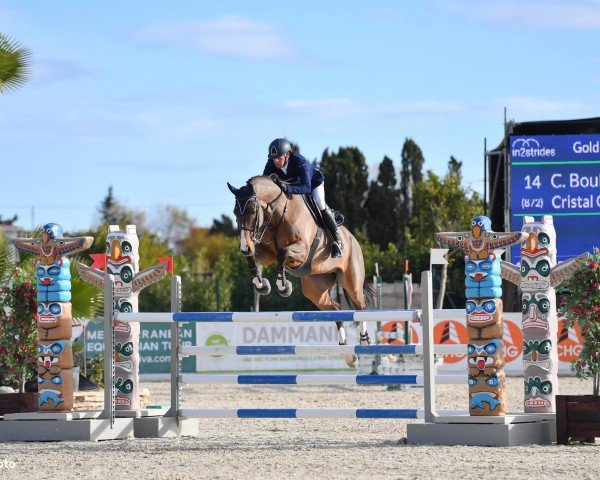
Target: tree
(442, 205)
(454, 166)
(225, 226)
(411, 174)
(382, 206)
(113, 212)
(346, 183)
(8, 221)
(14, 64)
(170, 223)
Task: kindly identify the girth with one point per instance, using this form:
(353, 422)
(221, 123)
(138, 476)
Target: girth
(305, 268)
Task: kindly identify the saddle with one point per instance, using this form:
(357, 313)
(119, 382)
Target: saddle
(316, 214)
(304, 269)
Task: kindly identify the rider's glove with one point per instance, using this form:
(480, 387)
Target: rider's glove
(280, 183)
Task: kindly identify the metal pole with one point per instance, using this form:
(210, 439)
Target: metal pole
(175, 344)
(485, 160)
(218, 293)
(109, 345)
(428, 360)
(377, 288)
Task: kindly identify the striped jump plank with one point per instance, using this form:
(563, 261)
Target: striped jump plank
(220, 379)
(444, 349)
(302, 350)
(370, 413)
(272, 317)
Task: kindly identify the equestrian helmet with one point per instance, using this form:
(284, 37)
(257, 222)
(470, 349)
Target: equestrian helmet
(279, 147)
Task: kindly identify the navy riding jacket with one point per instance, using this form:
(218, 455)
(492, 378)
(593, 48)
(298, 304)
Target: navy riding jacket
(305, 176)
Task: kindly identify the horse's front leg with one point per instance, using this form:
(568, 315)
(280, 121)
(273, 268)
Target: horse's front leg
(292, 254)
(261, 285)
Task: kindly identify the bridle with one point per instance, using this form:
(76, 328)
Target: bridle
(257, 231)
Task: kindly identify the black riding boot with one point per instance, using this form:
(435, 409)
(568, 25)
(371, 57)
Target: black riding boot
(337, 245)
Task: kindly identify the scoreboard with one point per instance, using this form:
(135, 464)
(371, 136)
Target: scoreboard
(557, 175)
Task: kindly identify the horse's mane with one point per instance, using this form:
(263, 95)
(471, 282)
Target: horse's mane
(261, 184)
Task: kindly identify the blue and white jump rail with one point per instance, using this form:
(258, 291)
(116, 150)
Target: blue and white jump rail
(214, 379)
(373, 413)
(176, 318)
(274, 317)
(241, 350)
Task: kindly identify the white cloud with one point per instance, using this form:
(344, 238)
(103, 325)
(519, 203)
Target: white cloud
(320, 103)
(424, 108)
(325, 108)
(539, 108)
(234, 36)
(533, 15)
(50, 71)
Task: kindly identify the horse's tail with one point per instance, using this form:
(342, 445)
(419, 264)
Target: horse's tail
(370, 298)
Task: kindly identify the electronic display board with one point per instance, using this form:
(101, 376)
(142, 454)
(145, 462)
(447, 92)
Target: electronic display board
(557, 175)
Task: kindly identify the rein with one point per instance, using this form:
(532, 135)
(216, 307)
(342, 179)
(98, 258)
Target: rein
(257, 232)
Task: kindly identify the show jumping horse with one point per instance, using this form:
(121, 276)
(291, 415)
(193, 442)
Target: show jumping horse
(275, 226)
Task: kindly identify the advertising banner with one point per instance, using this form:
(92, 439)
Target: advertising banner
(557, 175)
(453, 331)
(155, 345)
(310, 333)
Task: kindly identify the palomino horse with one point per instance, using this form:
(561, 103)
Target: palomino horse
(275, 226)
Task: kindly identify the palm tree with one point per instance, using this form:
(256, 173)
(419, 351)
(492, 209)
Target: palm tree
(15, 61)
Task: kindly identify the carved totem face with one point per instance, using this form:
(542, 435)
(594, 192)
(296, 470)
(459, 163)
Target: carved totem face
(538, 254)
(537, 352)
(122, 257)
(483, 277)
(484, 318)
(537, 307)
(538, 389)
(486, 391)
(483, 354)
(54, 320)
(55, 375)
(54, 281)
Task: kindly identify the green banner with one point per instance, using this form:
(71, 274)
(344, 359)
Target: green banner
(155, 345)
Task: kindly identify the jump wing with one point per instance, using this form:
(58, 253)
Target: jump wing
(91, 275)
(149, 276)
(29, 245)
(504, 239)
(565, 269)
(66, 246)
(510, 272)
(454, 239)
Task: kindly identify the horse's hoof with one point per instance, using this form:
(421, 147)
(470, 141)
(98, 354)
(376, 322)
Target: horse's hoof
(351, 359)
(364, 339)
(265, 288)
(286, 291)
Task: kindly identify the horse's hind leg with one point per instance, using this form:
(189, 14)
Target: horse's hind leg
(352, 281)
(316, 288)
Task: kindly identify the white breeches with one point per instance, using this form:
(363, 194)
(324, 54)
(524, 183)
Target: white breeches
(319, 196)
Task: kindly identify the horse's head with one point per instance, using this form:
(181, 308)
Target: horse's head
(247, 214)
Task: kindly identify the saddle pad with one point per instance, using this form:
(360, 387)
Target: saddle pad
(316, 214)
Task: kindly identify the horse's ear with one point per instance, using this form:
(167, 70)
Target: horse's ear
(232, 189)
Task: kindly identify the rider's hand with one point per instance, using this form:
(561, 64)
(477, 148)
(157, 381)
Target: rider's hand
(280, 183)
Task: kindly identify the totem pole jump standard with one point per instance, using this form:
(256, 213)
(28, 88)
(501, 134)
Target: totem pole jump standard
(122, 260)
(55, 360)
(487, 395)
(537, 276)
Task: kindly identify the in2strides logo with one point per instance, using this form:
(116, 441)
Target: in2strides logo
(7, 465)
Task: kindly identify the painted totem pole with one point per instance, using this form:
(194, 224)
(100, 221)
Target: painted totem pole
(537, 276)
(55, 355)
(121, 259)
(485, 329)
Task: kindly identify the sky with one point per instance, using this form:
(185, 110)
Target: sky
(168, 101)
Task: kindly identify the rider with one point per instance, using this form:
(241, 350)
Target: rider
(290, 166)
